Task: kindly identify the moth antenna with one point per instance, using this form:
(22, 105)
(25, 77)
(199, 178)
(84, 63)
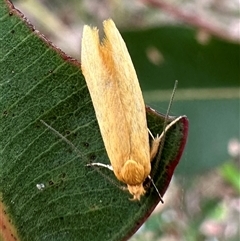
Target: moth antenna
(163, 138)
(63, 138)
(165, 122)
(156, 188)
(79, 153)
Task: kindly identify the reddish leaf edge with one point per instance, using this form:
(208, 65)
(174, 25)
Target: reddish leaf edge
(18, 13)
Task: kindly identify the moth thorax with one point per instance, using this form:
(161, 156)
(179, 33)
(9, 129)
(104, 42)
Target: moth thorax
(133, 173)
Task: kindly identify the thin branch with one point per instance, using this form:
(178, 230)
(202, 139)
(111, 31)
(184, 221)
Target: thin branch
(193, 19)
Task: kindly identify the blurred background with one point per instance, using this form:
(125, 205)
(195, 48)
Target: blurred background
(197, 43)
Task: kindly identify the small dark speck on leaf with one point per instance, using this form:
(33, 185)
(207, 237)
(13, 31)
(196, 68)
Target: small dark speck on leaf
(51, 182)
(86, 144)
(5, 113)
(53, 118)
(67, 132)
(62, 175)
(92, 157)
(37, 125)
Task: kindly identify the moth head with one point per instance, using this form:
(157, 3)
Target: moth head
(137, 191)
(134, 174)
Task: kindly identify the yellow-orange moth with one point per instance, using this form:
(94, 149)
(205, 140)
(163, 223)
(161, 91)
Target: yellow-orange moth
(119, 106)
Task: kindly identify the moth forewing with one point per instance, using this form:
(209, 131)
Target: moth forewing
(118, 104)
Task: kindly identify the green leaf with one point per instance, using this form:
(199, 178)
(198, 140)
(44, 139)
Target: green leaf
(46, 190)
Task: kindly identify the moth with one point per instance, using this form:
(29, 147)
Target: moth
(119, 106)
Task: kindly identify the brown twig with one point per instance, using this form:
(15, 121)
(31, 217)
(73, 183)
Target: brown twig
(193, 19)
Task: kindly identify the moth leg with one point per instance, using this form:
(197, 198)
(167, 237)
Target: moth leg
(150, 133)
(156, 140)
(100, 165)
(154, 145)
